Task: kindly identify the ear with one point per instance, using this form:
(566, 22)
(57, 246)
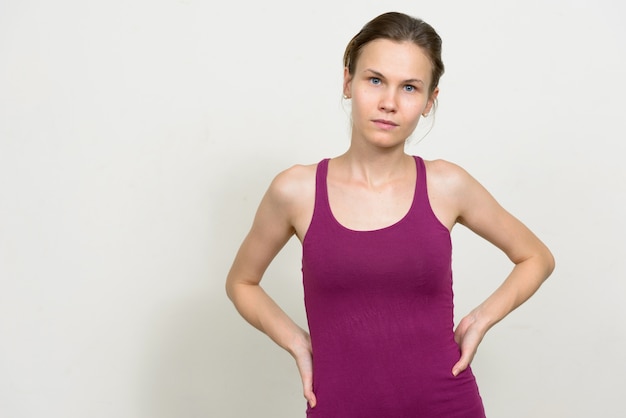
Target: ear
(431, 102)
(347, 87)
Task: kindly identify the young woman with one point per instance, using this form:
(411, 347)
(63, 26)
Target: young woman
(375, 230)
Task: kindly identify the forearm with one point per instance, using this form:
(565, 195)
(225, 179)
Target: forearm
(260, 310)
(523, 281)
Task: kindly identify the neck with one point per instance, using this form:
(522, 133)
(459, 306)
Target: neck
(375, 167)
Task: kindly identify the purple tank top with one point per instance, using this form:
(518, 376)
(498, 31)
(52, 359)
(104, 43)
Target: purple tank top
(380, 313)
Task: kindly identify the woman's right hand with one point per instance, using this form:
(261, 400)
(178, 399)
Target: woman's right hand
(303, 355)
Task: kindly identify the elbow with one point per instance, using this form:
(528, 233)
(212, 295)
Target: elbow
(237, 288)
(541, 262)
(549, 262)
(230, 290)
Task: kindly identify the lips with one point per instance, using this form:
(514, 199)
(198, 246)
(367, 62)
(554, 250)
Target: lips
(384, 124)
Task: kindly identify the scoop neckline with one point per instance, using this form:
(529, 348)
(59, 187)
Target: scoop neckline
(383, 228)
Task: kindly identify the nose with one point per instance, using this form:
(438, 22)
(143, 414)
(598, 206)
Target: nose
(388, 101)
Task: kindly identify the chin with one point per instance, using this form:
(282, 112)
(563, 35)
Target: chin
(389, 145)
(387, 142)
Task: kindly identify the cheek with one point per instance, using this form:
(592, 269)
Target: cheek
(363, 100)
(364, 94)
(414, 108)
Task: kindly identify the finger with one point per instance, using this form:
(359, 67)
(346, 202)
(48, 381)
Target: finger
(460, 331)
(462, 364)
(458, 368)
(308, 393)
(307, 385)
(458, 336)
(310, 397)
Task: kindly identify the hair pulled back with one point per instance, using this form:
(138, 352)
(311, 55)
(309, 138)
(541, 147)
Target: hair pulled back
(398, 27)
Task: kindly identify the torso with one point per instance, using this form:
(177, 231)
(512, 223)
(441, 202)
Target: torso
(379, 306)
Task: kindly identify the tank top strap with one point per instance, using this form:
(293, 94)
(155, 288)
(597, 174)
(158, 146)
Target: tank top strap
(420, 199)
(321, 208)
(321, 196)
(420, 183)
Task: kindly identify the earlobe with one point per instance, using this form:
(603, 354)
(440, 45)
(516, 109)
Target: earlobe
(347, 79)
(431, 102)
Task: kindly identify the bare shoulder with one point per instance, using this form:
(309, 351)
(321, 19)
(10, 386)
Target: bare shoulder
(451, 190)
(290, 186)
(447, 177)
(293, 193)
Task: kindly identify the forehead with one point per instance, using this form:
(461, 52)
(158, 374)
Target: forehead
(405, 59)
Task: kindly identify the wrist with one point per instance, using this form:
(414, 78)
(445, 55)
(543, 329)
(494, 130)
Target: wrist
(482, 319)
(300, 342)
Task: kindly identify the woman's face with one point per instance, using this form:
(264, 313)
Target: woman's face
(389, 91)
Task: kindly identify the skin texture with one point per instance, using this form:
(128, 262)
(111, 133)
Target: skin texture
(370, 187)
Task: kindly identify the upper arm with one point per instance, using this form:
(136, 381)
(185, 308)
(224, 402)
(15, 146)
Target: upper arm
(474, 207)
(272, 227)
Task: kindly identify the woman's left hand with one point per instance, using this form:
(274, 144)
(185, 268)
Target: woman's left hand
(468, 335)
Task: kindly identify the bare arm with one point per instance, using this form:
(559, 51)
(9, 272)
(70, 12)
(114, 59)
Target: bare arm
(271, 229)
(475, 208)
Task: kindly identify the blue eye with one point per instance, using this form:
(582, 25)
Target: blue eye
(375, 80)
(409, 88)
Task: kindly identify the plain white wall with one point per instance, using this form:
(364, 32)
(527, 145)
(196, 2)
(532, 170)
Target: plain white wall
(137, 137)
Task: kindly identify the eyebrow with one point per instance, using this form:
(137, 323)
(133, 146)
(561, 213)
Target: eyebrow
(380, 75)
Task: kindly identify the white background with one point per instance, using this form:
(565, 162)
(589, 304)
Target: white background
(137, 138)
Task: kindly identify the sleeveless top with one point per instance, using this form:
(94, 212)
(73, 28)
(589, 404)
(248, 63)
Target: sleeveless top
(379, 306)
